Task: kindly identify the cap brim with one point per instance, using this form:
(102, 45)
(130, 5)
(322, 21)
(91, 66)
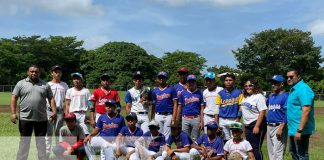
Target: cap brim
(57, 68)
(130, 117)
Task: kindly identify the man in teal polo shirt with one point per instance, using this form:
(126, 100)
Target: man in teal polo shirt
(300, 115)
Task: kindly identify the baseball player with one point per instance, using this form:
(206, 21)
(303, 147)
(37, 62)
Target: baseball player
(59, 89)
(210, 145)
(237, 143)
(277, 119)
(137, 103)
(71, 139)
(128, 134)
(228, 101)
(108, 127)
(163, 97)
(77, 101)
(180, 86)
(211, 109)
(100, 96)
(181, 140)
(191, 107)
(151, 145)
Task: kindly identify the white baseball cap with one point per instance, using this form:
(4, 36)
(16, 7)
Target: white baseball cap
(154, 123)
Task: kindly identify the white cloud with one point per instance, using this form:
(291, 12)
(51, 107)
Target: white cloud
(57, 7)
(94, 42)
(317, 27)
(212, 2)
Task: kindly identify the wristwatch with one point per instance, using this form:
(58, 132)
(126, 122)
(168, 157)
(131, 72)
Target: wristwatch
(299, 131)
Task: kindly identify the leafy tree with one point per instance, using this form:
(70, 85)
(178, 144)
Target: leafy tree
(274, 51)
(223, 69)
(172, 61)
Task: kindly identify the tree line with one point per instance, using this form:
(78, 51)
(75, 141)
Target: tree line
(262, 55)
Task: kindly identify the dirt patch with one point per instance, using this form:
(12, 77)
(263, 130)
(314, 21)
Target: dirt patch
(4, 108)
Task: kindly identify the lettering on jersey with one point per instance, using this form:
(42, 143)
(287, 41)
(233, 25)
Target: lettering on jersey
(131, 138)
(102, 101)
(191, 100)
(247, 105)
(274, 106)
(154, 144)
(109, 126)
(229, 102)
(163, 96)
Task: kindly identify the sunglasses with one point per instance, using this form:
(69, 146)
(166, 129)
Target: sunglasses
(290, 77)
(248, 86)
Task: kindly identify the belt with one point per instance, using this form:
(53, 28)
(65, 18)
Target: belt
(164, 113)
(142, 112)
(57, 109)
(79, 111)
(191, 117)
(210, 115)
(273, 124)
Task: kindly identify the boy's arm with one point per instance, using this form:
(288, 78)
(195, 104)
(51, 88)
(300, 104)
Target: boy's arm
(94, 133)
(67, 108)
(251, 155)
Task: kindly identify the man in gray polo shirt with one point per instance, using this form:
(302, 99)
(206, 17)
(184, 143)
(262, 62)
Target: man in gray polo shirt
(33, 93)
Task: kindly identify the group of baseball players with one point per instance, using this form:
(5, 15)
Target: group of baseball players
(167, 122)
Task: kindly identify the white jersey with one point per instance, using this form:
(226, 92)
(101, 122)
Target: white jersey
(133, 96)
(243, 148)
(251, 107)
(210, 100)
(59, 91)
(79, 99)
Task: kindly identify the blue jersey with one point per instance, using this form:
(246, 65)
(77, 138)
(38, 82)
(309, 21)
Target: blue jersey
(229, 103)
(191, 102)
(178, 88)
(181, 141)
(110, 127)
(277, 107)
(154, 143)
(216, 144)
(131, 137)
(163, 99)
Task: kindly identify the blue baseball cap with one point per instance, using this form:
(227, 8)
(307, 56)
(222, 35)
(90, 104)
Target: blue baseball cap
(162, 73)
(77, 74)
(278, 78)
(191, 77)
(110, 102)
(210, 75)
(212, 124)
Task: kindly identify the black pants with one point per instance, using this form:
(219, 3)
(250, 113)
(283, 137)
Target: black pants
(256, 140)
(26, 129)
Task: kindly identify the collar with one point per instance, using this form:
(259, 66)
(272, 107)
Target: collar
(29, 80)
(193, 91)
(296, 85)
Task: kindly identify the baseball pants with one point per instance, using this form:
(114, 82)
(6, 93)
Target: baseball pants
(81, 117)
(207, 118)
(191, 127)
(224, 123)
(53, 126)
(276, 148)
(143, 122)
(124, 150)
(144, 152)
(194, 153)
(181, 155)
(100, 143)
(164, 123)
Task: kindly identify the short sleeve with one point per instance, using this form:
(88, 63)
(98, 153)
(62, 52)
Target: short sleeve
(99, 123)
(218, 100)
(219, 147)
(123, 131)
(240, 100)
(174, 93)
(162, 143)
(94, 96)
(128, 97)
(181, 99)
(17, 89)
(169, 141)
(200, 140)
(306, 96)
(186, 141)
(248, 146)
(68, 94)
(226, 146)
(49, 91)
(261, 103)
(153, 95)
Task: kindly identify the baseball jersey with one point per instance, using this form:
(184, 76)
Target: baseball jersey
(133, 96)
(251, 107)
(99, 97)
(191, 102)
(229, 103)
(277, 107)
(131, 137)
(154, 143)
(243, 147)
(181, 141)
(59, 91)
(79, 99)
(209, 99)
(216, 144)
(178, 88)
(71, 136)
(110, 126)
(163, 99)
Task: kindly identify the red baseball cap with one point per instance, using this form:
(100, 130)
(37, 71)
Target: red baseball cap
(183, 69)
(70, 116)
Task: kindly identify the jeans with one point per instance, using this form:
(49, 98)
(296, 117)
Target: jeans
(299, 148)
(256, 140)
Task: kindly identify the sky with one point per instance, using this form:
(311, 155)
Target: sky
(211, 28)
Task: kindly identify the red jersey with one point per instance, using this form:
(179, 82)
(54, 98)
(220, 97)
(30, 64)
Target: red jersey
(99, 97)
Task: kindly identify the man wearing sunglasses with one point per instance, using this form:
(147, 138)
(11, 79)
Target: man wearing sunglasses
(300, 115)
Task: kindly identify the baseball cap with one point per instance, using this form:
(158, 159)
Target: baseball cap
(191, 77)
(212, 124)
(70, 115)
(105, 76)
(77, 74)
(131, 115)
(236, 125)
(183, 69)
(278, 78)
(153, 123)
(210, 75)
(162, 73)
(56, 67)
(110, 102)
(138, 74)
